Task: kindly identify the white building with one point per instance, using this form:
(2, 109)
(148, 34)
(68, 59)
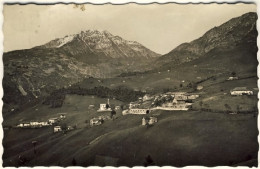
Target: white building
(53, 120)
(133, 105)
(57, 129)
(34, 123)
(199, 87)
(125, 112)
(62, 116)
(95, 122)
(103, 107)
(152, 120)
(232, 78)
(238, 91)
(192, 96)
(138, 111)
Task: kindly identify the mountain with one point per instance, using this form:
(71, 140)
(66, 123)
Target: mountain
(237, 34)
(100, 43)
(32, 73)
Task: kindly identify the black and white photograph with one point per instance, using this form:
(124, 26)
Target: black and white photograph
(130, 84)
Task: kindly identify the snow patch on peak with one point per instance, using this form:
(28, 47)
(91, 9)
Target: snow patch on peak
(65, 40)
(132, 43)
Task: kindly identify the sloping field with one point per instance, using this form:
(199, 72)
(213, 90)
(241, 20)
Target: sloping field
(178, 139)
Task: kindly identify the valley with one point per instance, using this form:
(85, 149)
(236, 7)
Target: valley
(106, 88)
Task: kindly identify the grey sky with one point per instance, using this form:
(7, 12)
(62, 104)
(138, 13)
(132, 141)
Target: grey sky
(159, 27)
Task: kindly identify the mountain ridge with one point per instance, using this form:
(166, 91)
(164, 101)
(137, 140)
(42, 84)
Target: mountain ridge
(64, 61)
(228, 34)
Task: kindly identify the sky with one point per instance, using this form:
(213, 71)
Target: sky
(159, 27)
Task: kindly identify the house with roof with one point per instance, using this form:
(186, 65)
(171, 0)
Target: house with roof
(53, 120)
(149, 120)
(232, 78)
(238, 91)
(133, 105)
(57, 129)
(95, 122)
(104, 107)
(117, 108)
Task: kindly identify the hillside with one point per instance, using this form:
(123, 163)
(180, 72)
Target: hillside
(218, 129)
(33, 73)
(190, 134)
(237, 34)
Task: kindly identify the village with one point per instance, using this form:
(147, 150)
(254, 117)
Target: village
(144, 106)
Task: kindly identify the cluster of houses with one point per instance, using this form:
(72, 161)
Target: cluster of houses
(238, 91)
(39, 124)
(180, 101)
(167, 101)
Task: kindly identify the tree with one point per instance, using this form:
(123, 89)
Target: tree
(181, 85)
(113, 112)
(107, 106)
(64, 126)
(86, 121)
(74, 162)
(238, 108)
(233, 73)
(200, 103)
(148, 161)
(227, 107)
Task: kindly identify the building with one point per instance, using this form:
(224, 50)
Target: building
(125, 112)
(199, 87)
(53, 120)
(91, 106)
(181, 98)
(70, 128)
(62, 116)
(152, 120)
(144, 121)
(133, 105)
(23, 125)
(192, 96)
(95, 122)
(238, 91)
(138, 111)
(57, 129)
(104, 107)
(147, 97)
(26, 125)
(44, 123)
(149, 120)
(232, 78)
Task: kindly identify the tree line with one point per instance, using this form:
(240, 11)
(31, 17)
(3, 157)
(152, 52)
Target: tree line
(122, 93)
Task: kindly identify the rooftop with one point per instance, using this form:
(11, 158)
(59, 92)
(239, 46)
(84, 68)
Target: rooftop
(240, 89)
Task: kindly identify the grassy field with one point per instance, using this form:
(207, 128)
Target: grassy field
(76, 109)
(178, 139)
